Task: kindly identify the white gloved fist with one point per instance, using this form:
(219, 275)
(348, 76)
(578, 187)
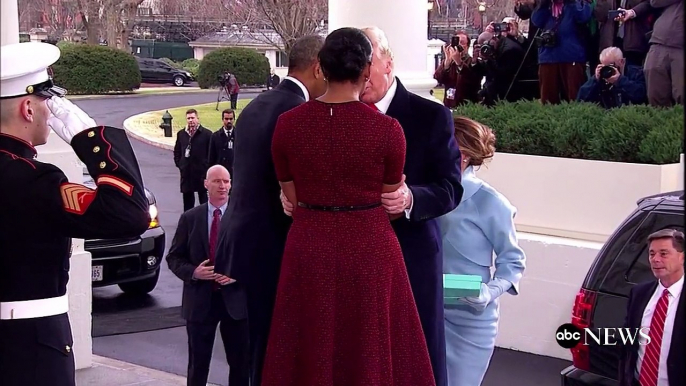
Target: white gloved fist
(479, 303)
(67, 119)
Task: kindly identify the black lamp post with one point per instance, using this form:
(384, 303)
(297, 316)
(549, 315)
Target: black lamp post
(166, 124)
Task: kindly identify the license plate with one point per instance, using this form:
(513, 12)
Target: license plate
(96, 273)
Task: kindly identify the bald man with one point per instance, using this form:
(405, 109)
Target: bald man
(209, 298)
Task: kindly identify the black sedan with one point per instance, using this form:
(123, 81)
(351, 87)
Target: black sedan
(134, 263)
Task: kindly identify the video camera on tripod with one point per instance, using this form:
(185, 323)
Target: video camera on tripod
(224, 78)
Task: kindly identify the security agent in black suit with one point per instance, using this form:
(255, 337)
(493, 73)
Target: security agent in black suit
(253, 233)
(190, 157)
(209, 298)
(666, 254)
(221, 142)
(42, 211)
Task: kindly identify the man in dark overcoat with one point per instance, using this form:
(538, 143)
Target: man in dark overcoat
(191, 156)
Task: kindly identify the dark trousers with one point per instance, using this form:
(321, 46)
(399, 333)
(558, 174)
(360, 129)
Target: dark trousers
(37, 351)
(561, 81)
(234, 335)
(664, 73)
(260, 308)
(234, 100)
(189, 199)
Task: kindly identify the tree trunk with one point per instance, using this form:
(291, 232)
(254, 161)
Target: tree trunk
(112, 25)
(93, 26)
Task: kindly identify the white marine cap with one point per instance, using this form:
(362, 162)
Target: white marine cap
(24, 70)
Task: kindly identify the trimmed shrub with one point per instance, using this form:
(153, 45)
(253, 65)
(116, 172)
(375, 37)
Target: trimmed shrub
(632, 134)
(191, 65)
(89, 69)
(249, 66)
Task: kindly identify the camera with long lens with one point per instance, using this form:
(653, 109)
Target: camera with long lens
(487, 51)
(606, 72)
(224, 79)
(546, 39)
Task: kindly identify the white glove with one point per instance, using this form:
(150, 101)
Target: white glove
(480, 303)
(67, 119)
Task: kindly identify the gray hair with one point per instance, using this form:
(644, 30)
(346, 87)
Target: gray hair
(305, 52)
(378, 37)
(613, 53)
(673, 234)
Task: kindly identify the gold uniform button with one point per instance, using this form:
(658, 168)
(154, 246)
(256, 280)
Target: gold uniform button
(102, 165)
(96, 149)
(91, 134)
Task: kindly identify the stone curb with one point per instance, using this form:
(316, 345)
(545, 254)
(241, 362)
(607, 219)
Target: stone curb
(130, 128)
(140, 370)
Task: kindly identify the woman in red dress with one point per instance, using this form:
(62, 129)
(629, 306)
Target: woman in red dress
(344, 312)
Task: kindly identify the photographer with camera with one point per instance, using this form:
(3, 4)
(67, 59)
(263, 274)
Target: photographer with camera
(509, 76)
(561, 52)
(615, 83)
(457, 74)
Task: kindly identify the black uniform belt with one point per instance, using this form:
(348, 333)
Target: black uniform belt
(347, 208)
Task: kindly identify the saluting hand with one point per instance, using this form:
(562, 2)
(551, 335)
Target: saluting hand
(204, 271)
(67, 119)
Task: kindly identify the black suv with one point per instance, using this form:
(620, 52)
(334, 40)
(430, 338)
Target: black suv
(602, 299)
(134, 263)
(158, 71)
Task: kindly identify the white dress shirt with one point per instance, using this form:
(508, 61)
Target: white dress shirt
(674, 294)
(383, 106)
(302, 87)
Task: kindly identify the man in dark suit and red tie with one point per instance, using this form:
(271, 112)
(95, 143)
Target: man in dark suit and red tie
(658, 306)
(209, 298)
(432, 188)
(253, 234)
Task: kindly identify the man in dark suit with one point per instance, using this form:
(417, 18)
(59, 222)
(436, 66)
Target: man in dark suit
(209, 298)
(273, 80)
(432, 188)
(254, 232)
(221, 142)
(190, 156)
(432, 170)
(658, 306)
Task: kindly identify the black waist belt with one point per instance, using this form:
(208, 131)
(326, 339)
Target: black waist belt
(348, 208)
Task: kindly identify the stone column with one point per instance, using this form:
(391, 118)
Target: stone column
(58, 153)
(405, 24)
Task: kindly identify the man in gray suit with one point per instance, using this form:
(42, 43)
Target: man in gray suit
(253, 233)
(208, 297)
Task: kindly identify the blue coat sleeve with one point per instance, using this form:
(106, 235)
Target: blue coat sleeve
(499, 228)
(633, 87)
(444, 193)
(581, 11)
(589, 91)
(541, 16)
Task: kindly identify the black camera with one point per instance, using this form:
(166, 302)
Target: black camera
(487, 50)
(500, 27)
(606, 72)
(455, 43)
(546, 39)
(224, 78)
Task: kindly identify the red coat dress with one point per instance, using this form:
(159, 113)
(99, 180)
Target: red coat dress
(344, 312)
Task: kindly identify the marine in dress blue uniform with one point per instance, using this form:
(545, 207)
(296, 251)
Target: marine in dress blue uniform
(42, 211)
(483, 224)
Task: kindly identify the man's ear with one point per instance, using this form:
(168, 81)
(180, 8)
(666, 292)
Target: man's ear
(318, 74)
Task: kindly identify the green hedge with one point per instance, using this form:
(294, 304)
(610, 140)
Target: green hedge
(632, 134)
(250, 67)
(89, 69)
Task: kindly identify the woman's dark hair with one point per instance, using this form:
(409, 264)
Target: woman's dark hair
(345, 54)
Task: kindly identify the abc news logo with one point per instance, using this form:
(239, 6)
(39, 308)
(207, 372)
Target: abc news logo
(569, 336)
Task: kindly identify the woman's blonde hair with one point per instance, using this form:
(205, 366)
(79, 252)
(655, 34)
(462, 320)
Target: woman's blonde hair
(476, 141)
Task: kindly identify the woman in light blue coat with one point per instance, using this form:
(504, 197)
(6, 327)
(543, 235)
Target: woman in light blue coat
(480, 227)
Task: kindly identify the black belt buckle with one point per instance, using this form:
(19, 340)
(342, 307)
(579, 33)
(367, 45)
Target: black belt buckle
(346, 208)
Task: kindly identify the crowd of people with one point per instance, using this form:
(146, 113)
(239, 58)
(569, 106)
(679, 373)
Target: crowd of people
(609, 52)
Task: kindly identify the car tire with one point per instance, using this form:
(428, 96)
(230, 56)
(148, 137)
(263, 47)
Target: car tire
(141, 287)
(179, 81)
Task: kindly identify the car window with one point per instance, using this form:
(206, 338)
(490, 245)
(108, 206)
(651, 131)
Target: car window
(639, 270)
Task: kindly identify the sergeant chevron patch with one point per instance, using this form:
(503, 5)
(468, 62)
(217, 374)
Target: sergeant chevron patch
(116, 182)
(76, 198)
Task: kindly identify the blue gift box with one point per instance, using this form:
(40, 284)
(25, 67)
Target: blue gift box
(460, 286)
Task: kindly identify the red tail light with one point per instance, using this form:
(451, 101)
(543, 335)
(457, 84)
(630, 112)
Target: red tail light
(581, 317)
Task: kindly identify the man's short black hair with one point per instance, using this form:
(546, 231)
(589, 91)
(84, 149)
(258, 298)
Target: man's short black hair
(304, 52)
